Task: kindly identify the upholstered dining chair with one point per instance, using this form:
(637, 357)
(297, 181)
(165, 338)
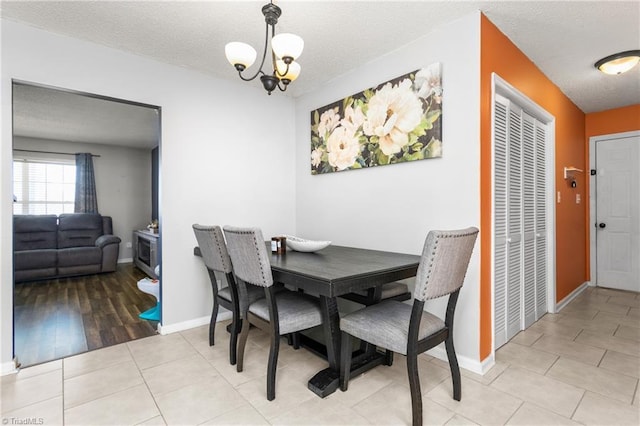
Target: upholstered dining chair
(216, 259)
(278, 313)
(408, 329)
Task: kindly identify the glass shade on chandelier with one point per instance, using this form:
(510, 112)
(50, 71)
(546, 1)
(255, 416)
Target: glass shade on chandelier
(285, 49)
(619, 63)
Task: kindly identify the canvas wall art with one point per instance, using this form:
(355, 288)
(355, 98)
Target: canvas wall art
(396, 122)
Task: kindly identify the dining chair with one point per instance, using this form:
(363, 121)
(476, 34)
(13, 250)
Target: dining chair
(216, 259)
(408, 329)
(278, 313)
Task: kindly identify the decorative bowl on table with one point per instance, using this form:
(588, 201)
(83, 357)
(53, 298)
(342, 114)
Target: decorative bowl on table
(300, 244)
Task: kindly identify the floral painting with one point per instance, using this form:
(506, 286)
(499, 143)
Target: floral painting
(395, 122)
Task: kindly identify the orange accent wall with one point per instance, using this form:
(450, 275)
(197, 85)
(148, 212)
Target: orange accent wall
(498, 54)
(625, 119)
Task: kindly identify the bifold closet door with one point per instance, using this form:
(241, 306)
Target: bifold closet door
(529, 218)
(519, 266)
(500, 121)
(541, 219)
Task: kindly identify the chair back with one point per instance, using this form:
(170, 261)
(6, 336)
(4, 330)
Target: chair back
(444, 262)
(249, 255)
(213, 248)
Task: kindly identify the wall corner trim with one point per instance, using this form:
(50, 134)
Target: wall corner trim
(575, 293)
(467, 363)
(8, 368)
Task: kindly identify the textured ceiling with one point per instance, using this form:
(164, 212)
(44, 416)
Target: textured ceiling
(563, 39)
(45, 113)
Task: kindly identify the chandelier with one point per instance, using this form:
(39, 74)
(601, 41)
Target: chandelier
(285, 48)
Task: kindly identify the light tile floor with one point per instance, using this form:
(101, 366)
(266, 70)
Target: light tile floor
(580, 366)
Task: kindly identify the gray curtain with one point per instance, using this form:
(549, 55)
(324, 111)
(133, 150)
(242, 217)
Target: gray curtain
(86, 199)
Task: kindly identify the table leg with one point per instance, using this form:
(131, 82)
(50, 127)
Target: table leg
(326, 382)
(331, 325)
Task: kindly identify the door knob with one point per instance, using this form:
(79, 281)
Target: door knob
(602, 225)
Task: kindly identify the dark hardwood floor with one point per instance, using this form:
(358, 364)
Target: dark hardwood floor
(67, 316)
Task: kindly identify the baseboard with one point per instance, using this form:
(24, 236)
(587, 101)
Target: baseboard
(575, 293)
(8, 368)
(126, 260)
(192, 323)
(475, 366)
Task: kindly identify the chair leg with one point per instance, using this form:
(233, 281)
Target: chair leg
(242, 343)
(273, 363)
(414, 386)
(296, 340)
(345, 356)
(236, 327)
(388, 357)
(455, 369)
(212, 323)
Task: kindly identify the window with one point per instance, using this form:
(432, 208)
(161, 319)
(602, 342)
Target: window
(41, 187)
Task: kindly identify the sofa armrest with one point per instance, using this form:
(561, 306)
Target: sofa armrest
(110, 246)
(104, 240)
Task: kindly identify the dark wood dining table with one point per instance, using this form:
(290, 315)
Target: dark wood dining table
(332, 272)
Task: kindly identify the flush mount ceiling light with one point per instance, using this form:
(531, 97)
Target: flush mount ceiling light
(619, 63)
(285, 48)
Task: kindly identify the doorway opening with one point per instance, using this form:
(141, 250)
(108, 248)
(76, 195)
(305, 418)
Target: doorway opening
(71, 306)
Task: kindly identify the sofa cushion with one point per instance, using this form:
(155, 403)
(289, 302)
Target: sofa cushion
(34, 274)
(35, 259)
(79, 230)
(68, 271)
(76, 256)
(33, 232)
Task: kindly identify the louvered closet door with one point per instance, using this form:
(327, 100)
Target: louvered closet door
(529, 218)
(519, 264)
(541, 220)
(500, 220)
(514, 221)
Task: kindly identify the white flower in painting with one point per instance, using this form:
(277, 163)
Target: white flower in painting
(329, 120)
(434, 148)
(394, 111)
(316, 157)
(342, 148)
(353, 119)
(428, 81)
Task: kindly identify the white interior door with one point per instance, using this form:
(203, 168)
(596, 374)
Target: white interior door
(618, 213)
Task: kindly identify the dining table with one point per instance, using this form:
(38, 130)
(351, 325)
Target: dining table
(330, 273)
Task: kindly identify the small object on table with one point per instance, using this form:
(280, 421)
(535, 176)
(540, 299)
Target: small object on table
(279, 245)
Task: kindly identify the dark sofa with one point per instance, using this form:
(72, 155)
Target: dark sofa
(50, 246)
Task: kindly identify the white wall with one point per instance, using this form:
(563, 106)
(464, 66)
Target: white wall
(393, 207)
(226, 154)
(123, 182)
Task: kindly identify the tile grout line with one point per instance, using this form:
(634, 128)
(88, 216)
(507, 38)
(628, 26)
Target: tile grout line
(63, 410)
(584, 393)
(145, 384)
(209, 362)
